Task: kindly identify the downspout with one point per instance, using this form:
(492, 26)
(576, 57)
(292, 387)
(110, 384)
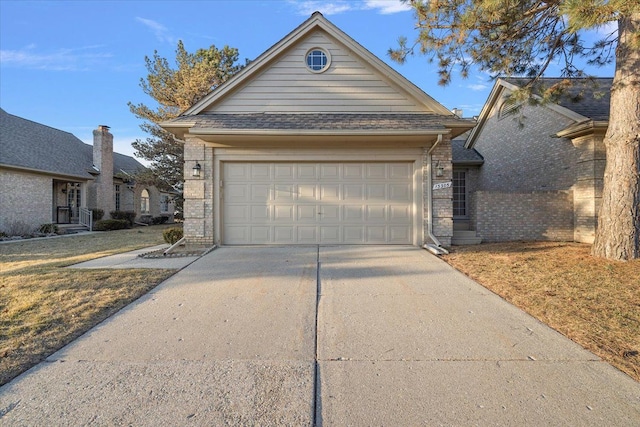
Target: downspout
(436, 246)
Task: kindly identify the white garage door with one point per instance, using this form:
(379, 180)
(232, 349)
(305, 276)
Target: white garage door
(313, 203)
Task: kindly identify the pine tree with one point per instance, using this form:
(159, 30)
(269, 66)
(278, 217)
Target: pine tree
(521, 38)
(175, 90)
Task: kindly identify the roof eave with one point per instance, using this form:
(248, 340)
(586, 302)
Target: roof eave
(583, 128)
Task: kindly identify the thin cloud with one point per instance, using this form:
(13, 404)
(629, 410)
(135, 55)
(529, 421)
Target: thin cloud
(477, 87)
(336, 7)
(160, 31)
(66, 59)
(387, 7)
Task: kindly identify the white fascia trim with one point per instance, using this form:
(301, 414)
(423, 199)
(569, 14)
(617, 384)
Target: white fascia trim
(278, 132)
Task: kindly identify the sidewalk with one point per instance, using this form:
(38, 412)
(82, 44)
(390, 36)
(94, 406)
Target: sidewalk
(133, 260)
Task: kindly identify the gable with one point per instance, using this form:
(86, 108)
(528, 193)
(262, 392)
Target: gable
(350, 84)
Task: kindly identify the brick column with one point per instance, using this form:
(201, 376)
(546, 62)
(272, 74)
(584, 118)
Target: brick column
(198, 193)
(103, 160)
(442, 199)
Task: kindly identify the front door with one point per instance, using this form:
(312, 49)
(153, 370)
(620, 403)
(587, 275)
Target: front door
(74, 201)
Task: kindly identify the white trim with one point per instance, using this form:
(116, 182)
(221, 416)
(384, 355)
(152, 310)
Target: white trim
(285, 155)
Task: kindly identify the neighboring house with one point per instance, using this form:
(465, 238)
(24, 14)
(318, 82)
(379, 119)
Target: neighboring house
(540, 179)
(317, 141)
(49, 176)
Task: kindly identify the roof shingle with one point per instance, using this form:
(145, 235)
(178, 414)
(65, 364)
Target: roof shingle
(31, 145)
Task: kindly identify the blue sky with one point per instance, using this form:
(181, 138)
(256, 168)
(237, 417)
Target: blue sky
(74, 65)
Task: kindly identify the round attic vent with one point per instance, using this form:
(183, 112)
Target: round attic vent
(317, 60)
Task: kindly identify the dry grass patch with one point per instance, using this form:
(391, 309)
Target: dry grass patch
(44, 306)
(594, 302)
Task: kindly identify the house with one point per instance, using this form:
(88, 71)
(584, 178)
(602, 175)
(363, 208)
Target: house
(50, 176)
(542, 172)
(317, 141)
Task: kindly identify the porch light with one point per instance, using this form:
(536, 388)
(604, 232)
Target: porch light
(196, 170)
(439, 169)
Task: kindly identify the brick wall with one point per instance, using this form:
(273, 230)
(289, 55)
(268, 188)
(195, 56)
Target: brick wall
(29, 196)
(541, 215)
(528, 157)
(442, 208)
(198, 193)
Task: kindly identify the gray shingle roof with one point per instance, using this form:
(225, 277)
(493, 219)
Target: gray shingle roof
(464, 156)
(27, 144)
(320, 121)
(589, 97)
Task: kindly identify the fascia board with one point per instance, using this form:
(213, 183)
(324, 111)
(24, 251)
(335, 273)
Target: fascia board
(277, 132)
(56, 175)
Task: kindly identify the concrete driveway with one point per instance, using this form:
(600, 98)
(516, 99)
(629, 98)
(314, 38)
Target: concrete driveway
(388, 336)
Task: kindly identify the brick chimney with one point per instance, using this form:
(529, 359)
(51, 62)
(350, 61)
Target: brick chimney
(103, 161)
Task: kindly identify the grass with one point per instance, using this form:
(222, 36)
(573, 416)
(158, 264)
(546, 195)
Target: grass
(44, 306)
(594, 302)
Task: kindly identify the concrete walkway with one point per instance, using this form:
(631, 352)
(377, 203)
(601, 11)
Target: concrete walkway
(388, 336)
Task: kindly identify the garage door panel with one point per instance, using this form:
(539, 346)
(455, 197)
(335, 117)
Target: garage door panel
(400, 193)
(283, 213)
(376, 234)
(377, 171)
(353, 234)
(284, 172)
(330, 234)
(307, 193)
(353, 213)
(329, 213)
(329, 171)
(402, 171)
(353, 171)
(260, 172)
(329, 191)
(284, 235)
(260, 193)
(398, 234)
(307, 234)
(307, 172)
(313, 203)
(260, 213)
(376, 213)
(307, 213)
(376, 192)
(237, 193)
(260, 234)
(285, 192)
(352, 192)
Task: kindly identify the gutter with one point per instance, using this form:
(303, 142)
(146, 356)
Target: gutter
(435, 247)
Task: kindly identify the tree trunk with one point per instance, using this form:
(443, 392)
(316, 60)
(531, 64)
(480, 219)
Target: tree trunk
(618, 232)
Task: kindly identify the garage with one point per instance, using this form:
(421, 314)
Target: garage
(317, 203)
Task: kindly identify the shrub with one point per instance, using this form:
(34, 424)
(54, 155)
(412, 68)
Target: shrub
(129, 216)
(145, 219)
(48, 229)
(162, 219)
(98, 214)
(110, 224)
(172, 235)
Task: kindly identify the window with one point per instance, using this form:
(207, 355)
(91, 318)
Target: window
(117, 196)
(318, 60)
(459, 194)
(164, 203)
(144, 202)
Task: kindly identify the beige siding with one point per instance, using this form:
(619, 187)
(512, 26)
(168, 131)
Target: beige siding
(349, 85)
